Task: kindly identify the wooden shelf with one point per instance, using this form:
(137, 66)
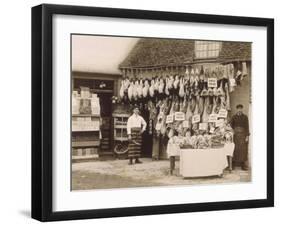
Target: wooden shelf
(120, 115)
(120, 126)
(86, 130)
(85, 143)
(85, 115)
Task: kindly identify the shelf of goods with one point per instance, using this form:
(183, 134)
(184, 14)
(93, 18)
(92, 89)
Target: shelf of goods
(85, 125)
(120, 133)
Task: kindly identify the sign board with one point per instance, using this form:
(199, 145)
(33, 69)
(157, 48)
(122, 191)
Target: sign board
(170, 118)
(195, 118)
(219, 123)
(203, 126)
(222, 113)
(185, 124)
(213, 118)
(212, 82)
(179, 116)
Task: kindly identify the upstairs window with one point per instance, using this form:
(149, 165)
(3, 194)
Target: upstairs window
(207, 49)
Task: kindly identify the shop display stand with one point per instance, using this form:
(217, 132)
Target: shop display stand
(120, 134)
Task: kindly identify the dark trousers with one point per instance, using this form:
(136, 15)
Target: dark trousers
(172, 163)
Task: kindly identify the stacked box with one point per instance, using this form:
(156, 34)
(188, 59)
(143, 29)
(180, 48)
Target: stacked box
(95, 106)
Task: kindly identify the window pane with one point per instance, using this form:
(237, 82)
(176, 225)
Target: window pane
(207, 49)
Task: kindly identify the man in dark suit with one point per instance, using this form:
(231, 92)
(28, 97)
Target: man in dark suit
(240, 125)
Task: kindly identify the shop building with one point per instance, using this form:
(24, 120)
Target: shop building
(148, 59)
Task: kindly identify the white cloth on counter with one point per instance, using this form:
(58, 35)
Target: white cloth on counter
(202, 162)
(135, 121)
(229, 149)
(173, 147)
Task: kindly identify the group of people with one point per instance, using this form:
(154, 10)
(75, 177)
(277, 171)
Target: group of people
(239, 122)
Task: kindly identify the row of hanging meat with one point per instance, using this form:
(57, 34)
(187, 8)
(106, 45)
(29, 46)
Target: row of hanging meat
(204, 107)
(196, 81)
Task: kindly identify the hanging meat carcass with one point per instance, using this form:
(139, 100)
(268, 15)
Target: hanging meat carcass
(176, 82)
(210, 104)
(152, 110)
(192, 104)
(216, 106)
(139, 89)
(126, 84)
(220, 72)
(130, 90)
(204, 91)
(122, 89)
(201, 79)
(161, 86)
(192, 77)
(169, 84)
(238, 76)
(227, 97)
(145, 88)
(167, 92)
(220, 91)
(205, 115)
(188, 113)
(187, 75)
(172, 111)
(160, 126)
(225, 71)
(244, 69)
(231, 79)
(221, 94)
(196, 112)
(201, 105)
(196, 79)
(177, 104)
(184, 105)
(181, 90)
(135, 89)
(165, 111)
(151, 88)
(156, 85)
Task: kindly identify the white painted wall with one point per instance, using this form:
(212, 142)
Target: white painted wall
(101, 54)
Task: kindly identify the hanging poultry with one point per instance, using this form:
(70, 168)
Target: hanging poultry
(121, 92)
(135, 90)
(130, 91)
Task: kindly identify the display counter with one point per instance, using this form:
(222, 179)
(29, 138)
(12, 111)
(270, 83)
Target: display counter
(204, 162)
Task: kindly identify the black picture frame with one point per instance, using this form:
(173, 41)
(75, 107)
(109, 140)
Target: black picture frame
(42, 107)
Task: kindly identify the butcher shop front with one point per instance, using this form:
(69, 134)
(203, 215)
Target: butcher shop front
(185, 86)
(182, 88)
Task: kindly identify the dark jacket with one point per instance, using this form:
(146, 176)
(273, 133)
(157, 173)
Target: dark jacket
(240, 121)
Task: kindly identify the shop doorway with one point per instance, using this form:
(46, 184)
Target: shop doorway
(104, 89)
(146, 137)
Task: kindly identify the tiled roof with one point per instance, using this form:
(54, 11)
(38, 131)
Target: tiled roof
(153, 52)
(159, 52)
(235, 51)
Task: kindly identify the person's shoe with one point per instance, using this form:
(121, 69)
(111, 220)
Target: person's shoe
(171, 172)
(138, 161)
(131, 162)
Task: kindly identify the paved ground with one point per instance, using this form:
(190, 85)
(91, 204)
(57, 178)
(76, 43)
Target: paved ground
(118, 174)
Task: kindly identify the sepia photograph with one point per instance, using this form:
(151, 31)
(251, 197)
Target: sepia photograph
(157, 111)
